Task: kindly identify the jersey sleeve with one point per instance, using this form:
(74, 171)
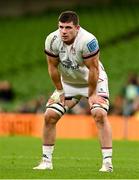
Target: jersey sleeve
(51, 45)
(90, 48)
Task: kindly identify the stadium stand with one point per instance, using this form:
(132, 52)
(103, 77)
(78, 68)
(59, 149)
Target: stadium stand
(22, 44)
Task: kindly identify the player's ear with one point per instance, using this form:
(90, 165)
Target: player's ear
(78, 27)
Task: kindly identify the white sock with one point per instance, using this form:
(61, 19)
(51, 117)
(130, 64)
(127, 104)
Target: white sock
(47, 151)
(107, 155)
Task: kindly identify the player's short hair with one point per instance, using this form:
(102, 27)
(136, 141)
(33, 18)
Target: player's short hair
(69, 16)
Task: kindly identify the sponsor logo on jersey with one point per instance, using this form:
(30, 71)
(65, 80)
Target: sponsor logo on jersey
(69, 64)
(93, 45)
(101, 90)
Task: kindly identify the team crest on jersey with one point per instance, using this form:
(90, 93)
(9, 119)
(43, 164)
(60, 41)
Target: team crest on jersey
(93, 45)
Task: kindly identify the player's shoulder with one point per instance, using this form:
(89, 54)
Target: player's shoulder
(88, 43)
(86, 35)
(53, 36)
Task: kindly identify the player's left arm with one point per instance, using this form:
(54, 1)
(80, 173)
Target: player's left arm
(90, 55)
(92, 64)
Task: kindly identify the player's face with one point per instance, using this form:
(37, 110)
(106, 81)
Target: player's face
(68, 32)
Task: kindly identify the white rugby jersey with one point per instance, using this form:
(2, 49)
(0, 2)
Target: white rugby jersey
(71, 66)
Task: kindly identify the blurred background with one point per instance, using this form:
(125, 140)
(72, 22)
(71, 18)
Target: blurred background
(24, 24)
(25, 87)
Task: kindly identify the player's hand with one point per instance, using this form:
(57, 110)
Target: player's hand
(95, 99)
(57, 97)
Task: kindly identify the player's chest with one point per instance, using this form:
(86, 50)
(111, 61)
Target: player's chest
(70, 53)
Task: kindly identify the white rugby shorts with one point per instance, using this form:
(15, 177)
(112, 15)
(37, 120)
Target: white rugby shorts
(72, 90)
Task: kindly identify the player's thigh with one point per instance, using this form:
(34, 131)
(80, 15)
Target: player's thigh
(70, 103)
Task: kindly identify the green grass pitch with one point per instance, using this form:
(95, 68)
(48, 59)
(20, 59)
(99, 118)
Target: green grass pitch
(73, 159)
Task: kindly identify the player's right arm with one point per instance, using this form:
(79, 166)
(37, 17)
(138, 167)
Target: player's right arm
(54, 72)
(56, 79)
(52, 56)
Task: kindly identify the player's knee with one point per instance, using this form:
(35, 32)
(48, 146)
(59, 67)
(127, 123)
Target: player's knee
(99, 115)
(51, 117)
(99, 111)
(54, 112)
